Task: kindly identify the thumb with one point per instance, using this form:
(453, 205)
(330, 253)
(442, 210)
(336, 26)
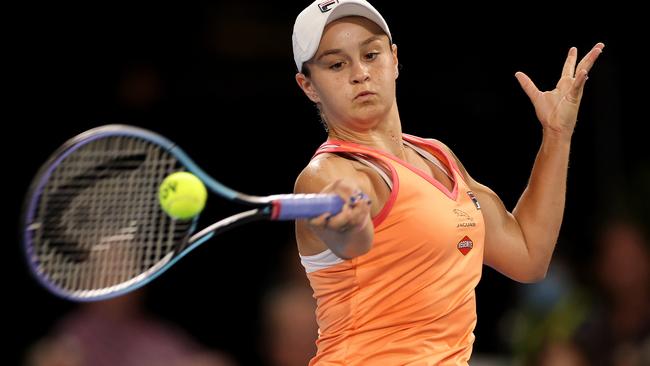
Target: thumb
(527, 85)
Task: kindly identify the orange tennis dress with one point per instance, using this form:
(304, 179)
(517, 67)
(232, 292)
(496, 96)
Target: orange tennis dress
(410, 300)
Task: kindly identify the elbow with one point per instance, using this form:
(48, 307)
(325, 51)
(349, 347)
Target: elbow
(534, 274)
(533, 278)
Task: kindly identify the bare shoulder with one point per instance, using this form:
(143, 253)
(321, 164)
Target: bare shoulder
(443, 146)
(321, 171)
(318, 174)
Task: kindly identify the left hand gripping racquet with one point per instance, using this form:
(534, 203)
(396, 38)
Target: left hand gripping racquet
(92, 225)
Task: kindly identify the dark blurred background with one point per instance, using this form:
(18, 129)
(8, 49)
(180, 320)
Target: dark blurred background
(218, 78)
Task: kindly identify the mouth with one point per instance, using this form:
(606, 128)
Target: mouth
(364, 94)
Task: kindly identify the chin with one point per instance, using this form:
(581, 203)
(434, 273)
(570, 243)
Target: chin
(370, 111)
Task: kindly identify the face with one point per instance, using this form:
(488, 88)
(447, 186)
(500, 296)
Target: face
(352, 75)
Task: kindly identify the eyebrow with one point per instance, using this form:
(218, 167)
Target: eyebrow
(338, 50)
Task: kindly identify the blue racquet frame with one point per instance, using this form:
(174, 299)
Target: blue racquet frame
(275, 207)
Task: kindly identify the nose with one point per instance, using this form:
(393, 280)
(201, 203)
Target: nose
(360, 73)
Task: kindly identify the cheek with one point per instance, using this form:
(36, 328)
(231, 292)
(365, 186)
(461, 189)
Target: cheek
(386, 81)
(333, 89)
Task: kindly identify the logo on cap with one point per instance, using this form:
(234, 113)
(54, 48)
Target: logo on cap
(465, 245)
(326, 6)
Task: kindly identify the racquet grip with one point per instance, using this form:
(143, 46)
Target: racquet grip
(304, 206)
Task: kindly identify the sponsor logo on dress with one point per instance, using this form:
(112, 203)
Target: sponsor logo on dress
(465, 245)
(465, 219)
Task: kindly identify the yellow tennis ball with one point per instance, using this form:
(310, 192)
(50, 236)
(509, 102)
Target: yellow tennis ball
(182, 195)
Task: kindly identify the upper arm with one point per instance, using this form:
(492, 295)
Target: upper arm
(327, 169)
(321, 172)
(505, 244)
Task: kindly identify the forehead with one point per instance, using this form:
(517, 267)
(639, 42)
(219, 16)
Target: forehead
(341, 32)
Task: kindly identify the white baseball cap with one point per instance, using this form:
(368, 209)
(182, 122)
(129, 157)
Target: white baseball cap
(308, 29)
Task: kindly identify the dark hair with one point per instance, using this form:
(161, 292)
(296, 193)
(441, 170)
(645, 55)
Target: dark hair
(305, 70)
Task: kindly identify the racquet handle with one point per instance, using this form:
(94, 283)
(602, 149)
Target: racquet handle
(305, 206)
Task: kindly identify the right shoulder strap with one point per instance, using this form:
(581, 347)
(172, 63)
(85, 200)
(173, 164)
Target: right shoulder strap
(365, 157)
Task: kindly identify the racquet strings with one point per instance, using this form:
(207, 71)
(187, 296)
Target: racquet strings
(98, 226)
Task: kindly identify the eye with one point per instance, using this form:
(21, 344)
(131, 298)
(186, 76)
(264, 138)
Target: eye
(371, 56)
(336, 66)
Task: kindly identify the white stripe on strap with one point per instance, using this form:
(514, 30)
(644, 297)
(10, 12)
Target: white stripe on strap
(427, 155)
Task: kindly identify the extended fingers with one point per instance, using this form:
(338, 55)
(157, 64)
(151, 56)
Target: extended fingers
(586, 63)
(578, 86)
(570, 63)
(590, 58)
(582, 72)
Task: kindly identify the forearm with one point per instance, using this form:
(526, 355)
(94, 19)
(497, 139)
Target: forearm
(352, 242)
(540, 209)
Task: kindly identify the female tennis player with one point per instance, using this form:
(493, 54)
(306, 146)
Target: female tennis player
(394, 272)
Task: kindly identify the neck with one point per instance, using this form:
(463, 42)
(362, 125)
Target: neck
(384, 135)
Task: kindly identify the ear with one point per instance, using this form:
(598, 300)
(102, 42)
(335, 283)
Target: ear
(395, 59)
(307, 87)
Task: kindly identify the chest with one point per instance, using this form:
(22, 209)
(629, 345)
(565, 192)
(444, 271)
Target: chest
(439, 173)
(428, 220)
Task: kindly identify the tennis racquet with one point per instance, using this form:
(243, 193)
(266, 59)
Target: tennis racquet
(92, 224)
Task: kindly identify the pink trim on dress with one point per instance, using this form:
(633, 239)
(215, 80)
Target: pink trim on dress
(453, 195)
